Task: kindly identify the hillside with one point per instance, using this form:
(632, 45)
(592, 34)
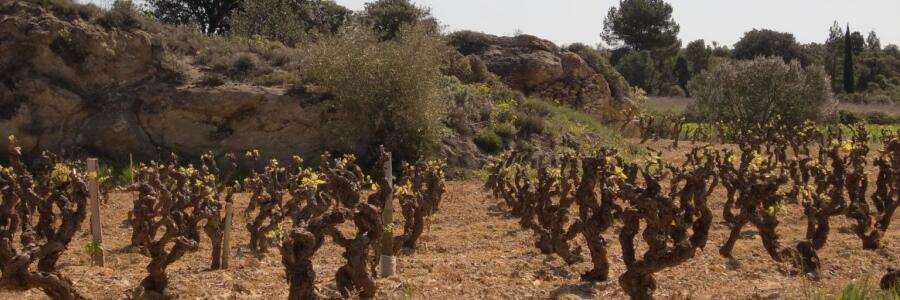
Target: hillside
(80, 83)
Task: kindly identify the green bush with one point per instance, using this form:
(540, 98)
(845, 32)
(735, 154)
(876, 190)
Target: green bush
(530, 125)
(388, 17)
(88, 11)
(123, 14)
(639, 69)
(245, 64)
(274, 19)
(489, 142)
(848, 117)
(750, 93)
(769, 43)
(470, 42)
(505, 130)
(211, 80)
(881, 118)
(277, 78)
(387, 93)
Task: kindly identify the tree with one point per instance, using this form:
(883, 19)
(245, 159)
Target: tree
(272, 19)
(768, 43)
(848, 63)
(641, 25)
(751, 93)
(834, 51)
(682, 74)
(210, 15)
(639, 68)
(388, 16)
(873, 43)
(697, 55)
(387, 92)
(289, 21)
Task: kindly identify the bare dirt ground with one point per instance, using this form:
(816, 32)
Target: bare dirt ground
(473, 250)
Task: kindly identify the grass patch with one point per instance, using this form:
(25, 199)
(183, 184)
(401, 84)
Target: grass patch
(563, 120)
(857, 291)
(663, 105)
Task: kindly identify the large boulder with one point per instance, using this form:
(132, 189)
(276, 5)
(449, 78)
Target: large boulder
(538, 67)
(75, 87)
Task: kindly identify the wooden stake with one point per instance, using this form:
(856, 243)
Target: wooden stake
(96, 229)
(226, 240)
(388, 262)
(131, 168)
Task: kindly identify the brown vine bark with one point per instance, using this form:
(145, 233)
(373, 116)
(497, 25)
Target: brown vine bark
(299, 247)
(871, 226)
(891, 280)
(19, 204)
(663, 217)
(354, 275)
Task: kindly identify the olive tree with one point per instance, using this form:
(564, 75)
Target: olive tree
(753, 92)
(387, 92)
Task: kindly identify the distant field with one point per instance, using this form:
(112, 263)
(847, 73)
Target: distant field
(876, 132)
(680, 104)
(891, 109)
(666, 104)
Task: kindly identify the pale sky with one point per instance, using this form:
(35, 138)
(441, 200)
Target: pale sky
(725, 21)
(569, 21)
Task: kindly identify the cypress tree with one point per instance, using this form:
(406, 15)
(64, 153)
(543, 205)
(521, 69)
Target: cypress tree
(683, 75)
(849, 85)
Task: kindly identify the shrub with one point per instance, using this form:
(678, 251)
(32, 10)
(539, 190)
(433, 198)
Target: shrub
(388, 92)
(388, 17)
(243, 65)
(88, 11)
(537, 108)
(489, 142)
(505, 130)
(881, 118)
(768, 43)
(211, 80)
(756, 92)
(530, 124)
(470, 42)
(638, 67)
(274, 19)
(123, 14)
(61, 8)
(172, 69)
(848, 117)
(277, 78)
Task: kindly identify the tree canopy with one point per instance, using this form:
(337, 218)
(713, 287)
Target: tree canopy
(211, 15)
(769, 43)
(641, 25)
(388, 16)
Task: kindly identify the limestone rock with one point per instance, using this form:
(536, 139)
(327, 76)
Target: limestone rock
(538, 67)
(75, 87)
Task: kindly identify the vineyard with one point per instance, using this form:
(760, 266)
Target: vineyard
(291, 208)
(810, 207)
(770, 169)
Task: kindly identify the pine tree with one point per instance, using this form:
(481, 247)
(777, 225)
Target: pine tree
(849, 85)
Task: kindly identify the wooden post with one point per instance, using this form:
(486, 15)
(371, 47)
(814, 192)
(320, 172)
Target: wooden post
(226, 240)
(131, 168)
(388, 261)
(96, 229)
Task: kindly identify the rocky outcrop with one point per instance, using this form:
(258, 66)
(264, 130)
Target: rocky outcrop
(538, 67)
(68, 85)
